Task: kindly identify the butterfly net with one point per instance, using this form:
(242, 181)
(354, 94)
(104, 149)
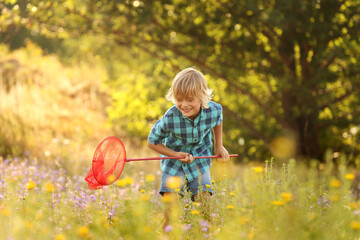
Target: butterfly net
(108, 163)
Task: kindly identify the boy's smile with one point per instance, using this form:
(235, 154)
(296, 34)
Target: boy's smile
(189, 106)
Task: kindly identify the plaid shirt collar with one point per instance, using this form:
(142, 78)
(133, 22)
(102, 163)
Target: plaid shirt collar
(195, 122)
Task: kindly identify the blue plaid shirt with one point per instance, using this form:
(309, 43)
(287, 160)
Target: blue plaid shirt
(182, 134)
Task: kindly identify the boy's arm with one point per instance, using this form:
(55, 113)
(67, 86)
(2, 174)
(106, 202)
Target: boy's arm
(162, 149)
(219, 147)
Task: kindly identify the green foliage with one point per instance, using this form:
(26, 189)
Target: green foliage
(136, 103)
(279, 68)
(280, 62)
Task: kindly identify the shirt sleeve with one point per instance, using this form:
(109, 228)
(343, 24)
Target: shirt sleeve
(219, 114)
(159, 132)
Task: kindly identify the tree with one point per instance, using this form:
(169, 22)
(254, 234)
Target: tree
(287, 65)
(279, 68)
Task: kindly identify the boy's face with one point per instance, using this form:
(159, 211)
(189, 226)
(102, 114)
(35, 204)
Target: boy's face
(188, 105)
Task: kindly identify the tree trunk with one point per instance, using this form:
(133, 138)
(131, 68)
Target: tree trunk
(308, 137)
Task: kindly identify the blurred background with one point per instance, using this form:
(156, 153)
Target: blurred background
(72, 72)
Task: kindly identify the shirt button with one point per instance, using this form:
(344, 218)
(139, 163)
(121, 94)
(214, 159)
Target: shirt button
(195, 140)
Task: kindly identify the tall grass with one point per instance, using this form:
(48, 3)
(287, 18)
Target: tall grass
(263, 201)
(48, 109)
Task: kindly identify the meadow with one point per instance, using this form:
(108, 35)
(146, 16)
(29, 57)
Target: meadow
(52, 116)
(266, 200)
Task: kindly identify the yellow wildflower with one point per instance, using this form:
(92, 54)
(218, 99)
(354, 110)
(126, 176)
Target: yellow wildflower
(49, 187)
(355, 225)
(173, 182)
(195, 212)
(60, 237)
(196, 203)
(5, 212)
(287, 197)
(177, 190)
(335, 183)
(258, 169)
(83, 232)
(278, 203)
(353, 205)
(149, 178)
(208, 186)
(349, 176)
(129, 180)
(121, 183)
(30, 185)
(232, 193)
(111, 178)
(251, 234)
(230, 207)
(125, 181)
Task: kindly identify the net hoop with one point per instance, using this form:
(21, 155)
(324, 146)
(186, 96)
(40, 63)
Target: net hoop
(109, 160)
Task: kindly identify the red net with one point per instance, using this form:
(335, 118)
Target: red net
(108, 163)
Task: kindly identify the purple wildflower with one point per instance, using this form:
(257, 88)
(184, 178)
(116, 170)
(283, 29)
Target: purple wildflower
(93, 197)
(168, 228)
(187, 227)
(204, 223)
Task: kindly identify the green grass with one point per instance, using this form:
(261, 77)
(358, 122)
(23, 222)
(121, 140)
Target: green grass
(263, 201)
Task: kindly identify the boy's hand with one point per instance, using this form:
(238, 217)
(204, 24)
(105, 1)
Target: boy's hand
(221, 150)
(188, 157)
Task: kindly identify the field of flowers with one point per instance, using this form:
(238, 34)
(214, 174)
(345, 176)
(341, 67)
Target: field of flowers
(262, 201)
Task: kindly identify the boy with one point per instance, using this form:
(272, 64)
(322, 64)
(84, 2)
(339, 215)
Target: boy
(185, 131)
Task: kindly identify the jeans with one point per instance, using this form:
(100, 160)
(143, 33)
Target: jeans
(203, 183)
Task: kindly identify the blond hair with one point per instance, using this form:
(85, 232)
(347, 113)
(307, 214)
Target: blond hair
(190, 82)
